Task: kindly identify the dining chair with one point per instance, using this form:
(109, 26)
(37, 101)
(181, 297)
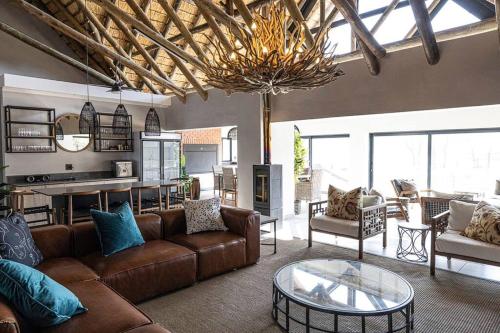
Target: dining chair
(82, 214)
(145, 205)
(217, 173)
(18, 203)
(107, 193)
(229, 186)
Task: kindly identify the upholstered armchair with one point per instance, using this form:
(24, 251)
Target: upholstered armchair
(371, 222)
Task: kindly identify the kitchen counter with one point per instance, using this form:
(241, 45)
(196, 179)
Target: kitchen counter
(76, 181)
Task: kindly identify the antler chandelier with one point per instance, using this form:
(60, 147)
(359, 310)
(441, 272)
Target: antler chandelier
(268, 59)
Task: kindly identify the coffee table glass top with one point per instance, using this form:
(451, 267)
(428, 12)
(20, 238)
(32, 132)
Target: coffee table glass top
(341, 286)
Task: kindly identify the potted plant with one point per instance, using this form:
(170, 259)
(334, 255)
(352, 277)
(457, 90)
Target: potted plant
(298, 163)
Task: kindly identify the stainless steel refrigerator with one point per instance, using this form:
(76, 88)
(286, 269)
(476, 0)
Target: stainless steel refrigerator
(160, 156)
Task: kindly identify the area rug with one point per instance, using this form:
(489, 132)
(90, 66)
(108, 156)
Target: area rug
(241, 301)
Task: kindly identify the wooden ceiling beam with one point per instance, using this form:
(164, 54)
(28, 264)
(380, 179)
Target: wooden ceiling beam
(98, 25)
(54, 53)
(214, 26)
(297, 16)
(432, 10)
(359, 27)
(96, 46)
(243, 11)
(425, 30)
(388, 10)
(182, 28)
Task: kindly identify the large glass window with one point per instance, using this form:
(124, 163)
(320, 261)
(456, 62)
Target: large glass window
(446, 161)
(466, 162)
(399, 157)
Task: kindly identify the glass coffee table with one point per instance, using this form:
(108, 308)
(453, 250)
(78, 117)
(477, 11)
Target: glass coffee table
(340, 296)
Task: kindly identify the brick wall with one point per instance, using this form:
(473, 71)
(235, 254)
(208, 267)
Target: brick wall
(208, 136)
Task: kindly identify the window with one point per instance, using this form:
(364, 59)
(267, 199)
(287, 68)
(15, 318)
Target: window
(447, 161)
(331, 155)
(398, 157)
(229, 150)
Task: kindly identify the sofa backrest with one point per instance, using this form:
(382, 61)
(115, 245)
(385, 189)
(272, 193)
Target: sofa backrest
(54, 241)
(174, 221)
(85, 239)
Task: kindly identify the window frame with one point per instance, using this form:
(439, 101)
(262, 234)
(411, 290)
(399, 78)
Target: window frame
(326, 136)
(429, 134)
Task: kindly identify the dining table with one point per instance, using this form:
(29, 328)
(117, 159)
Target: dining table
(59, 194)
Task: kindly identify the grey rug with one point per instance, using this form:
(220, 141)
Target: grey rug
(240, 301)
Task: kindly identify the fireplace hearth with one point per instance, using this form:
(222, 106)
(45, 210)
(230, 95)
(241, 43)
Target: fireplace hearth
(268, 189)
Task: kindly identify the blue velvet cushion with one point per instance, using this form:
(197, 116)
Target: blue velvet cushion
(41, 300)
(118, 230)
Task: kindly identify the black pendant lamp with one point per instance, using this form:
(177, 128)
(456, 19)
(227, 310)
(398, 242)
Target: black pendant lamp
(88, 115)
(121, 123)
(152, 123)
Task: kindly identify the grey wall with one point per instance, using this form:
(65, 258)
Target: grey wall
(467, 75)
(19, 58)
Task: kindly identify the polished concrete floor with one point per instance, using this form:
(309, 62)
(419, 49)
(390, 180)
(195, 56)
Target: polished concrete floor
(296, 227)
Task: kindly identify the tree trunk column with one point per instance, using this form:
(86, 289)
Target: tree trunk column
(266, 109)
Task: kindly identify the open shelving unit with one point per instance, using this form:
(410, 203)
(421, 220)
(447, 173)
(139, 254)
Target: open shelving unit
(105, 140)
(15, 142)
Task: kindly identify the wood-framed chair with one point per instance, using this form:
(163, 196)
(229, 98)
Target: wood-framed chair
(229, 186)
(372, 221)
(217, 173)
(413, 195)
(18, 204)
(398, 208)
(309, 189)
(149, 205)
(84, 214)
(108, 192)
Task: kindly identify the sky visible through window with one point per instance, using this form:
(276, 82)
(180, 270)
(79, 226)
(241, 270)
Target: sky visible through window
(398, 23)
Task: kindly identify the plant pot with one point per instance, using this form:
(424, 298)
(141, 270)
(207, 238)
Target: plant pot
(296, 207)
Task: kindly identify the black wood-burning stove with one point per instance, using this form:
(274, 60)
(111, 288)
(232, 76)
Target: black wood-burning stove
(268, 189)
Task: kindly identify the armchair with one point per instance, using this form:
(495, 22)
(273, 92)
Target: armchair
(412, 194)
(372, 221)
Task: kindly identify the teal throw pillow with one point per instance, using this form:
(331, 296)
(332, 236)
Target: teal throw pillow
(118, 230)
(41, 300)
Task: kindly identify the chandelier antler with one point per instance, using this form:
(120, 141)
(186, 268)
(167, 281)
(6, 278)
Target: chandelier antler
(269, 59)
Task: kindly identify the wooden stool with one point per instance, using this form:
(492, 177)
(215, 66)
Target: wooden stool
(158, 207)
(117, 190)
(97, 193)
(18, 204)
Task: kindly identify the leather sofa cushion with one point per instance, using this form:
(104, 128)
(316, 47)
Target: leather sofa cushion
(9, 319)
(66, 270)
(217, 251)
(85, 235)
(107, 311)
(53, 241)
(145, 271)
(335, 225)
(452, 242)
(154, 328)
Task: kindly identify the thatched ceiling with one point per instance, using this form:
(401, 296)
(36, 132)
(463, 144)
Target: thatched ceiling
(152, 13)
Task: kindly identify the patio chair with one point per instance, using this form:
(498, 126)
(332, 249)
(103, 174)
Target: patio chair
(372, 221)
(229, 186)
(398, 185)
(310, 189)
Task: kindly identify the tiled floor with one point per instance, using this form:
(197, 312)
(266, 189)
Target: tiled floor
(296, 227)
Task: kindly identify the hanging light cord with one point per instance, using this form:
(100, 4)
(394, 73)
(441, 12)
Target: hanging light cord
(87, 59)
(152, 102)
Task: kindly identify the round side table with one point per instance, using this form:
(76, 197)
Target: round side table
(412, 238)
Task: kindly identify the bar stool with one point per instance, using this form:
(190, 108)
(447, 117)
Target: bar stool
(72, 219)
(18, 204)
(155, 206)
(117, 190)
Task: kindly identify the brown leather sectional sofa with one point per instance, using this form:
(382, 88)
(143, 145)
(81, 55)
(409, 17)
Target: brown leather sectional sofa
(108, 286)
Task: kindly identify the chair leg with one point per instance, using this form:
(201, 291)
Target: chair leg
(70, 210)
(139, 203)
(384, 239)
(309, 237)
(360, 251)
(159, 198)
(131, 200)
(106, 201)
(433, 264)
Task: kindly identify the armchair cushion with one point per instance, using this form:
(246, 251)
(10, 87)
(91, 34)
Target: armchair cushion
(370, 200)
(485, 224)
(335, 225)
(408, 185)
(343, 205)
(452, 242)
(460, 215)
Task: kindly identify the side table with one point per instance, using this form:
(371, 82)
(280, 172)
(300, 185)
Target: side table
(414, 247)
(267, 220)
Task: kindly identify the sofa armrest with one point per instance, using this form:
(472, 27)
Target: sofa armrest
(174, 221)
(150, 226)
(245, 223)
(317, 208)
(372, 220)
(8, 318)
(440, 222)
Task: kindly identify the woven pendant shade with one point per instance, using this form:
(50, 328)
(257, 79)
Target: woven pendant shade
(59, 132)
(88, 119)
(152, 125)
(121, 123)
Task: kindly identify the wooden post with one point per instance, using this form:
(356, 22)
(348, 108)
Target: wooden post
(266, 119)
(425, 29)
(497, 12)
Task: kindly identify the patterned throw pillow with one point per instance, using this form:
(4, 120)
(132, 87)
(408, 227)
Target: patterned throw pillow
(16, 242)
(408, 185)
(485, 224)
(343, 205)
(203, 215)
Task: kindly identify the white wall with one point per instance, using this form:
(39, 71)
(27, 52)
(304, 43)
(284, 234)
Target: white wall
(359, 127)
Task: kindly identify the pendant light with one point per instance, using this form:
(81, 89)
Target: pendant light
(121, 123)
(88, 115)
(152, 123)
